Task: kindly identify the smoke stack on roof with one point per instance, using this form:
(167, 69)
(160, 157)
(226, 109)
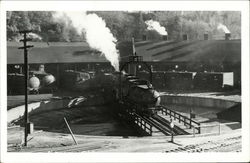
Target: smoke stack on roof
(205, 36)
(227, 36)
(154, 25)
(185, 37)
(165, 37)
(223, 28)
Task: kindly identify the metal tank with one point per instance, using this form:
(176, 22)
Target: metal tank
(48, 79)
(34, 83)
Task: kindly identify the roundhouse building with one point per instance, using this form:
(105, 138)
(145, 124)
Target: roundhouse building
(214, 56)
(56, 57)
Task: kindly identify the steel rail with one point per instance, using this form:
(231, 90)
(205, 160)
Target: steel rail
(177, 130)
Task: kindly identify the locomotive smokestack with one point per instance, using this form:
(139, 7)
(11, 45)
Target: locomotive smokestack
(185, 37)
(205, 36)
(227, 36)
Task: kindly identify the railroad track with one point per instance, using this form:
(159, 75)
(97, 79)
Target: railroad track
(73, 148)
(160, 124)
(177, 130)
(155, 123)
(232, 144)
(78, 148)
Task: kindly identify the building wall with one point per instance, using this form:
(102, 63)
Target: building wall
(56, 69)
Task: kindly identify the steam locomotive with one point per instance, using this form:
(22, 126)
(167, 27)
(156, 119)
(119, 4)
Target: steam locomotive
(138, 93)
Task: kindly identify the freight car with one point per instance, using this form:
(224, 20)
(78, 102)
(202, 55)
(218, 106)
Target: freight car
(15, 84)
(186, 81)
(213, 81)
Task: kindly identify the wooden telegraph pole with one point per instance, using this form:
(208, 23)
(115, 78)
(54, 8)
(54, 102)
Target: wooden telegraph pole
(26, 74)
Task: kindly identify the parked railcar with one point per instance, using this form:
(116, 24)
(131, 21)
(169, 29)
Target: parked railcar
(71, 78)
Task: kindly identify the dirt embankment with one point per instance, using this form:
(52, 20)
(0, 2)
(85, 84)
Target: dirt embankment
(83, 119)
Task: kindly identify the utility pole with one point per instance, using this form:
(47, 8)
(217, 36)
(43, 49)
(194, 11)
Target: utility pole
(181, 18)
(26, 74)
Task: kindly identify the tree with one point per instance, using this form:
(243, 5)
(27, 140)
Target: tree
(125, 25)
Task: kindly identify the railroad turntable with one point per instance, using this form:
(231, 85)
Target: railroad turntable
(112, 119)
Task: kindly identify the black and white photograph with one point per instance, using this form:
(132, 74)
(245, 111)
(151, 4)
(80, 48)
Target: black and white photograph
(125, 81)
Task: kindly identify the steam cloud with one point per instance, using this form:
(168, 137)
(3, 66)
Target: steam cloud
(34, 36)
(98, 36)
(154, 25)
(223, 27)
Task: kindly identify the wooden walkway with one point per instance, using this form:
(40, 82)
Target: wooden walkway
(159, 124)
(180, 121)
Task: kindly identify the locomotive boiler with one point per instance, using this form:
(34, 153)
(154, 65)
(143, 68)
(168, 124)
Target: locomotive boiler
(139, 93)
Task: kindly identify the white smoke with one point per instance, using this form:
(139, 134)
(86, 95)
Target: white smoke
(154, 25)
(98, 35)
(34, 36)
(223, 27)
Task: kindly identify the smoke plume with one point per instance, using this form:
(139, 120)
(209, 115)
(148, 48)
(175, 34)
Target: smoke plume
(98, 35)
(34, 36)
(223, 27)
(154, 25)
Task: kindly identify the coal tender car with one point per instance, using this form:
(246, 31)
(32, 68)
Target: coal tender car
(70, 79)
(140, 94)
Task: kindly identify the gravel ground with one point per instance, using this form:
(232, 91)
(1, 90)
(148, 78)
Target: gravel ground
(229, 96)
(57, 139)
(42, 141)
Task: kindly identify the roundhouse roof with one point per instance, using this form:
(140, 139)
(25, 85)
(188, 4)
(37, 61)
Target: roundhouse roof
(191, 51)
(208, 51)
(54, 52)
